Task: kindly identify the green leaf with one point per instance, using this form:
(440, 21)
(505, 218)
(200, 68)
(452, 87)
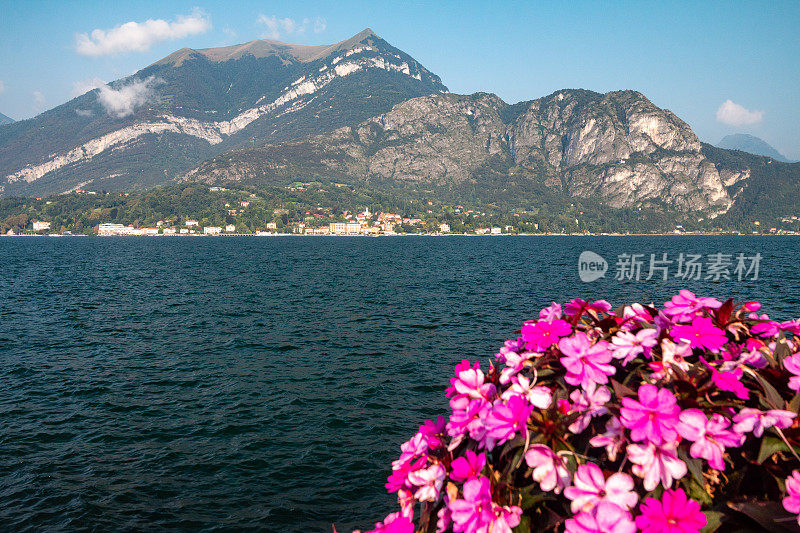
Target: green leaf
(713, 521)
(775, 401)
(621, 391)
(524, 525)
(529, 500)
(770, 446)
(694, 465)
(696, 491)
(769, 515)
(794, 405)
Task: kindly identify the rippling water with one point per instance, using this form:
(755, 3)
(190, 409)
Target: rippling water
(267, 383)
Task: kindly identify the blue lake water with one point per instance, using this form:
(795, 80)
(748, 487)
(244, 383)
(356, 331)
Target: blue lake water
(267, 383)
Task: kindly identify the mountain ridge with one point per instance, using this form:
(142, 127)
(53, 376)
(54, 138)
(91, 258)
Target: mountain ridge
(752, 145)
(617, 147)
(5, 119)
(199, 108)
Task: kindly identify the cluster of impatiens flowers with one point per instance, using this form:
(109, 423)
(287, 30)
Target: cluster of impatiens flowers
(679, 419)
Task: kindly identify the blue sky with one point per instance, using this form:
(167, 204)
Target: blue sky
(690, 57)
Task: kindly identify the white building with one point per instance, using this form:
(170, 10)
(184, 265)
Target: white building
(444, 228)
(39, 225)
(212, 230)
(107, 230)
(192, 223)
(230, 228)
(496, 231)
(272, 225)
(168, 231)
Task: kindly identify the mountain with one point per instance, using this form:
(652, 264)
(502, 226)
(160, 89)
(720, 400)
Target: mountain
(751, 145)
(617, 148)
(194, 104)
(5, 119)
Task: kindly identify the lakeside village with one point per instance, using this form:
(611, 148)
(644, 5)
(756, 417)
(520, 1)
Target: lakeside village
(364, 223)
(243, 213)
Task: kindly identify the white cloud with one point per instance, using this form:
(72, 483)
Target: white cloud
(2, 87)
(39, 101)
(84, 86)
(275, 27)
(735, 115)
(124, 100)
(140, 36)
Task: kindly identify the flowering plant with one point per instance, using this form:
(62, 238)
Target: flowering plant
(677, 419)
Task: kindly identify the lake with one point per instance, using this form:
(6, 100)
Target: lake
(267, 383)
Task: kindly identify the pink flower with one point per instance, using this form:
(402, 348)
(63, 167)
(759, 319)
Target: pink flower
(468, 416)
(730, 381)
(443, 516)
(540, 396)
(429, 480)
(477, 513)
(792, 364)
(551, 312)
(469, 381)
(585, 362)
(628, 345)
(591, 402)
(635, 316)
(702, 333)
(548, 469)
(590, 487)
(768, 328)
(685, 305)
(613, 439)
(505, 518)
(605, 518)
(464, 468)
(432, 432)
(414, 447)
(710, 436)
(579, 307)
(541, 335)
(671, 355)
(792, 500)
(656, 464)
(675, 513)
(653, 418)
(749, 419)
(473, 513)
(398, 479)
(515, 362)
(394, 523)
(507, 419)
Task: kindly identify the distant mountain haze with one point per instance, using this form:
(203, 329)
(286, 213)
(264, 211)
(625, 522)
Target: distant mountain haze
(751, 145)
(5, 119)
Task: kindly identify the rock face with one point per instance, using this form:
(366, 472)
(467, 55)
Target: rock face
(616, 147)
(199, 103)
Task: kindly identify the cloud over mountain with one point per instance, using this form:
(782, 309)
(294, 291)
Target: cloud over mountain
(124, 100)
(276, 27)
(140, 36)
(734, 114)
